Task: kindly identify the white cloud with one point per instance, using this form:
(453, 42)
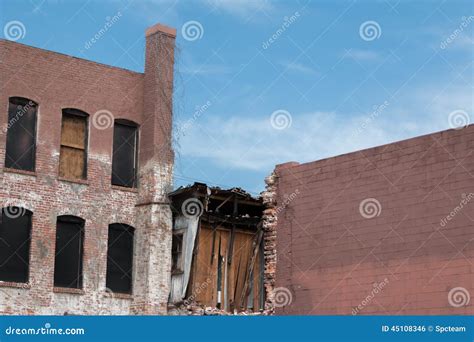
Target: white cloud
(252, 144)
(463, 41)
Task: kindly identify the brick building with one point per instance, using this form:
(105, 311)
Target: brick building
(85, 165)
(387, 230)
(86, 228)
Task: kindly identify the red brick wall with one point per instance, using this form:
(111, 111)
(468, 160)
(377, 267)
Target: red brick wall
(57, 81)
(401, 258)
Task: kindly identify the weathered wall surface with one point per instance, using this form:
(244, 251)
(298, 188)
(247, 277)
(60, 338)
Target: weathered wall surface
(388, 230)
(269, 222)
(57, 81)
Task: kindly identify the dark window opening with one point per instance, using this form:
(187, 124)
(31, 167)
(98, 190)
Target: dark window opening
(120, 258)
(125, 155)
(69, 252)
(73, 154)
(15, 236)
(177, 253)
(21, 134)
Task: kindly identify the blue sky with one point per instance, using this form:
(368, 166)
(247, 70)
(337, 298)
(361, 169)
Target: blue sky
(338, 76)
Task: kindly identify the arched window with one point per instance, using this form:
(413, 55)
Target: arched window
(69, 252)
(21, 134)
(15, 237)
(74, 141)
(125, 154)
(120, 258)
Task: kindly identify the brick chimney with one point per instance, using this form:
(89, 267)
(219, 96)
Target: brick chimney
(156, 152)
(153, 239)
(158, 93)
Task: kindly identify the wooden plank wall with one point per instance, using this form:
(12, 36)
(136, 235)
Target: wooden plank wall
(212, 245)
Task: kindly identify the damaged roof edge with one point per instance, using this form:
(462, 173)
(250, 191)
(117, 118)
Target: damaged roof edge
(202, 189)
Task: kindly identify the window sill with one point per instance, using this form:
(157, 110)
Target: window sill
(15, 285)
(123, 188)
(68, 290)
(118, 295)
(71, 180)
(20, 172)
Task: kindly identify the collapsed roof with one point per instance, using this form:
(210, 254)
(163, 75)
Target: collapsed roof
(234, 206)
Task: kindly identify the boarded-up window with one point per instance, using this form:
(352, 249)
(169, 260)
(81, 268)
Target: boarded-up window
(120, 258)
(21, 134)
(124, 160)
(69, 252)
(15, 233)
(177, 253)
(73, 155)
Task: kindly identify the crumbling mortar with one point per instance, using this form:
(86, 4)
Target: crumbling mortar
(269, 228)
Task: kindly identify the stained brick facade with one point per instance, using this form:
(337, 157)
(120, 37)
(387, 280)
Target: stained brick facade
(57, 81)
(388, 230)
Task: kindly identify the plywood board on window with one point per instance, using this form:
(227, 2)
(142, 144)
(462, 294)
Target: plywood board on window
(73, 131)
(71, 163)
